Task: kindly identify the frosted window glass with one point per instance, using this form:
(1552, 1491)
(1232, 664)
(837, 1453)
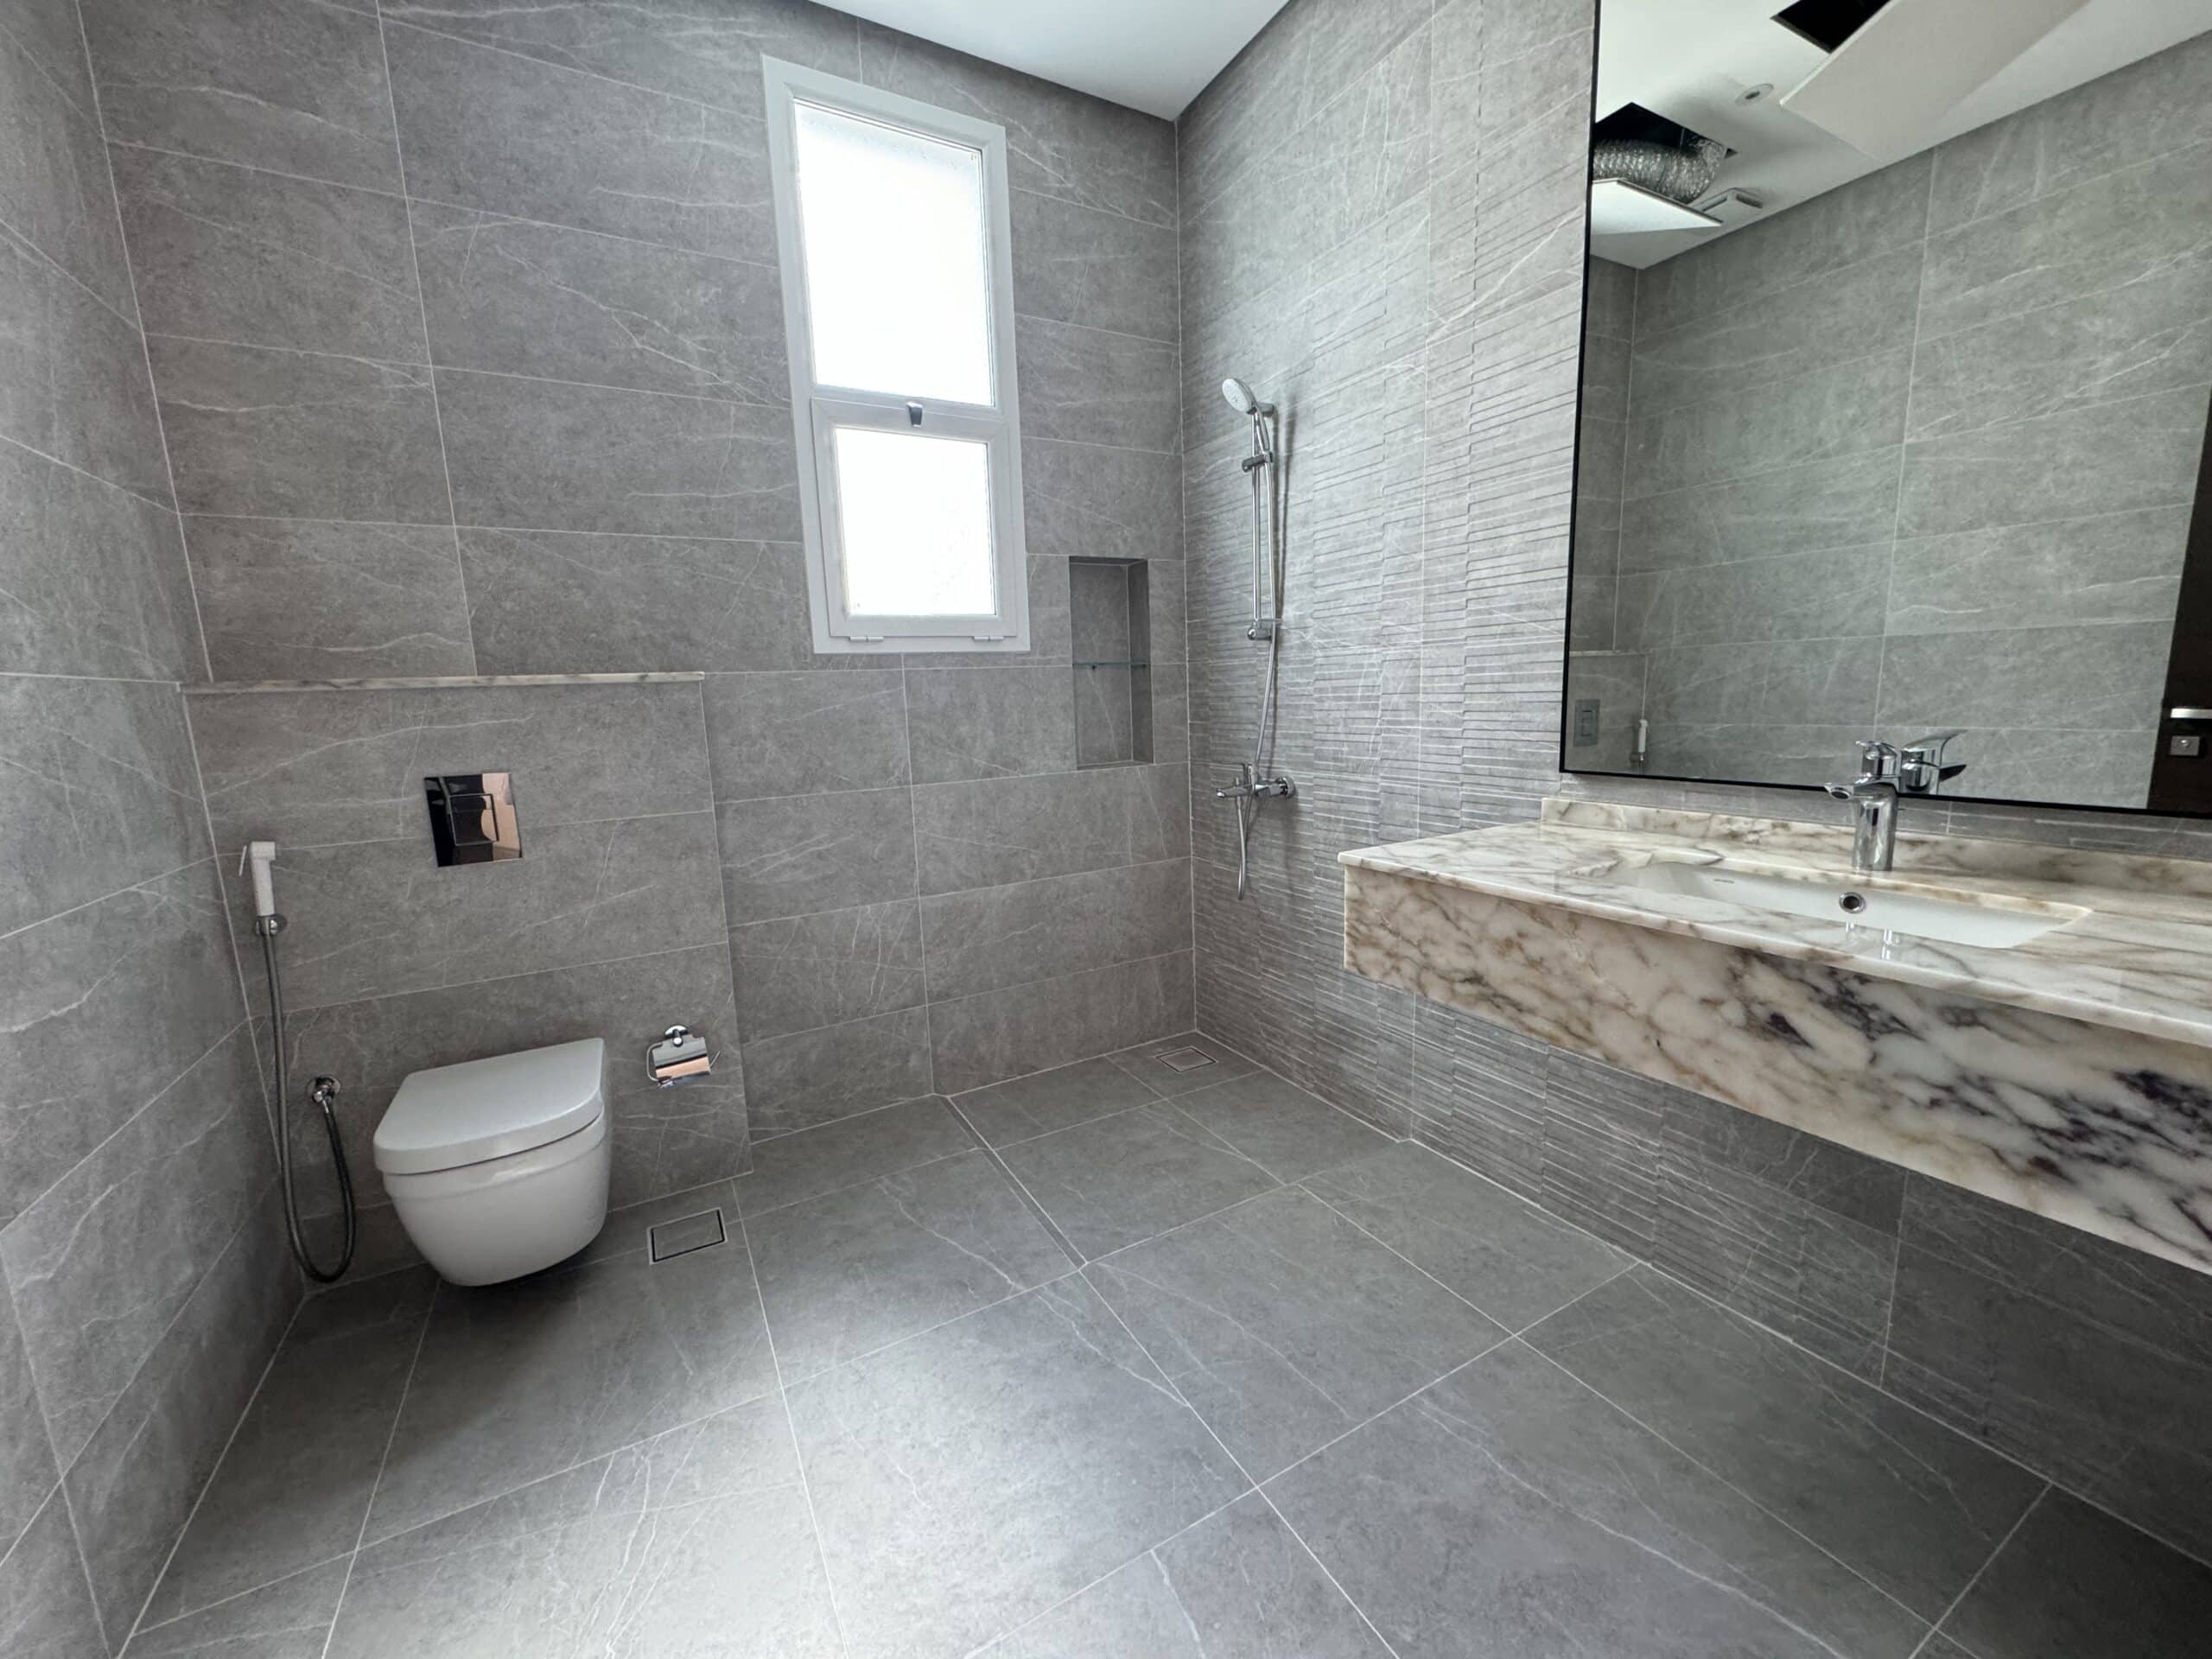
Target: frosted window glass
(916, 516)
(897, 273)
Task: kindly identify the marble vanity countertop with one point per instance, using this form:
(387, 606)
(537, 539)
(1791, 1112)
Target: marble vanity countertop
(2140, 960)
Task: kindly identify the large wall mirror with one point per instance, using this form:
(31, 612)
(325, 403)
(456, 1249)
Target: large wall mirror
(1897, 366)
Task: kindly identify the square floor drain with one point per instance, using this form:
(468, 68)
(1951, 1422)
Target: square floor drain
(687, 1234)
(1184, 1059)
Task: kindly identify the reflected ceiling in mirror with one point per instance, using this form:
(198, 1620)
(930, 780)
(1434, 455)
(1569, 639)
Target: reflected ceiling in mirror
(1908, 436)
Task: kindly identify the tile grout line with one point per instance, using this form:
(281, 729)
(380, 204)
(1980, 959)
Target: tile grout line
(391, 1439)
(1081, 1591)
(1237, 1464)
(1795, 1346)
(1021, 1187)
(215, 1470)
(1967, 1589)
(791, 1432)
(1700, 1463)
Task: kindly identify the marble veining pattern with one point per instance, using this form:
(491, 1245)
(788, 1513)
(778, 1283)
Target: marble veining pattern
(2069, 1076)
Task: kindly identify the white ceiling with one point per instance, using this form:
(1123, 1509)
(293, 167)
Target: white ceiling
(1689, 60)
(1153, 55)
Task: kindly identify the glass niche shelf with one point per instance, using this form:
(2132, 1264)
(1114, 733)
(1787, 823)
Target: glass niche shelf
(1110, 603)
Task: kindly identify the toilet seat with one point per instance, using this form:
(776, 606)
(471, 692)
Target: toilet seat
(498, 1167)
(455, 1115)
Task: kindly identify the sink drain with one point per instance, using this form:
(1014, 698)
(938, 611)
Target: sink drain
(1853, 903)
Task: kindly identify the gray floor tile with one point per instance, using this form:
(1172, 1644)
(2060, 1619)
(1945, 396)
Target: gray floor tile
(1891, 1492)
(1282, 1127)
(2074, 1581)
(518, 1381)
(290, 1619)
(695, 1542)
(1508, 1511)
(1143, 1062)
(1513, 1260)
(968, 1480)
(1121, 1180)
(293, 1485)
(852, 1271)
(1238, 1586)
(1024, 1108)
(1285, 1325)
(791, 1168)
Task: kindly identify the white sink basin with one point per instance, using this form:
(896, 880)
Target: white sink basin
(1993, 924)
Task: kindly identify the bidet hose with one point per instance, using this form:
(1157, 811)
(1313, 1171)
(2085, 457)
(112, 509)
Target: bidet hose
(268, 928)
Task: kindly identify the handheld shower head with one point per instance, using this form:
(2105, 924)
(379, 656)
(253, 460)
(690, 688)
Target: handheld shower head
(1238, 396)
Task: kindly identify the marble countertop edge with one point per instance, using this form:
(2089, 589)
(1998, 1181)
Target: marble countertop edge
(2169, 998)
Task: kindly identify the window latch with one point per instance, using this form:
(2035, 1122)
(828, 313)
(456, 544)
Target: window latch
(914, 413)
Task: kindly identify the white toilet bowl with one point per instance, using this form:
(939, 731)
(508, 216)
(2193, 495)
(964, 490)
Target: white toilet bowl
(498, 1167)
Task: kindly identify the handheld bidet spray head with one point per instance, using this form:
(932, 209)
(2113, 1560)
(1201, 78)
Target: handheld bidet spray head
(260, 855)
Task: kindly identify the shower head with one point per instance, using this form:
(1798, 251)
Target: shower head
(1239, 397)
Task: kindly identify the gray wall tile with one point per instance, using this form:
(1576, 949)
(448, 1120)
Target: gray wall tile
(492, 130)
(102, 792)
(989, 722)
(795, 854)
(321, 768)
(95, 577)
(102, 1263)
(46, 1604)
(541, 454)
(2072, 1354)
(72, 377)
(805, 734)
(292, 86)
(992, 938)
(101, 1008)
(1084, 266)
(1007, 1034)
(53, 185)
(376, 919)
(294, 598)
(296, 434)
(27, 1468)
(2099, 677)
(1090, 386)
(229, 253)
(800, 973)
(992, 832)
(1083, 501)
(554, 601)
(667, 45)
(2125, 568)
(806, 1079)
(133, 1487)
(537, 299)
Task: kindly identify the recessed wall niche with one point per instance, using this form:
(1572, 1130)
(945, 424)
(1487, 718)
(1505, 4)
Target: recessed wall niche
(1109, 603)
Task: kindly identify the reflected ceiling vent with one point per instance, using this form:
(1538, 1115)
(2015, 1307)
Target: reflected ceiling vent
(1646, 172)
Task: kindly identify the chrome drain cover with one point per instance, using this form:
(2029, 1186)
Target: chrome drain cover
(1184, 1059)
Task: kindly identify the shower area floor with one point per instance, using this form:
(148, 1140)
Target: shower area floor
(1116, 1360)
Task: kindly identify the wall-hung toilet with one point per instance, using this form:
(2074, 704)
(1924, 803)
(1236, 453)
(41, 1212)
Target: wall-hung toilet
(498, 1166)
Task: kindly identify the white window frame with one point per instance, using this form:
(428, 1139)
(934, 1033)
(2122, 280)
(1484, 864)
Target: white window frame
(817, 407)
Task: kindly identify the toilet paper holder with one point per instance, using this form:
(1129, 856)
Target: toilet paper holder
(680, 1056)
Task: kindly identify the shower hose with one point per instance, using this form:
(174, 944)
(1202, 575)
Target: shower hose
(326, 1093)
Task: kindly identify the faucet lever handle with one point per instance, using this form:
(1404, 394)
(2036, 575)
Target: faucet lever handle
(1921, 767)
(1878, 761)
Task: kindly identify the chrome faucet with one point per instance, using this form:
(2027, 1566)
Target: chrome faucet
(1873, 797)
(1921, 768)
(1248, 787)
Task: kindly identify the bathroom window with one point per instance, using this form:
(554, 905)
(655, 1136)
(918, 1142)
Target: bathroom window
(890, 222)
